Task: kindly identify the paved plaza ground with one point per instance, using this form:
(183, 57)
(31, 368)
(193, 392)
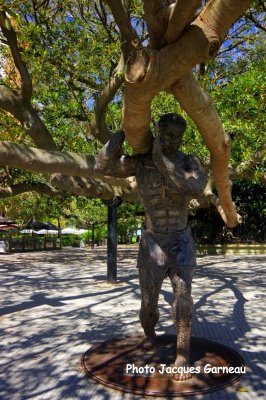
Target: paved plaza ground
(55, 305)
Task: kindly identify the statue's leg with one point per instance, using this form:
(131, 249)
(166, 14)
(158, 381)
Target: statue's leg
(182, 312)
(150, 290)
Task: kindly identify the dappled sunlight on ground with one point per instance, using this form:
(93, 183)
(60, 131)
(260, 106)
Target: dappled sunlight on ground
(55, 305)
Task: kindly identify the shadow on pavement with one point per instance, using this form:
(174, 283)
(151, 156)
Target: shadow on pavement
(54, 307)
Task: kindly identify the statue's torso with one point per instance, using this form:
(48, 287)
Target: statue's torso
(165, 207)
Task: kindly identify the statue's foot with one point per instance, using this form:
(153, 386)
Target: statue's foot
(183, 369)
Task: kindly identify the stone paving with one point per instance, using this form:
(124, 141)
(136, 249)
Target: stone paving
(55, 305)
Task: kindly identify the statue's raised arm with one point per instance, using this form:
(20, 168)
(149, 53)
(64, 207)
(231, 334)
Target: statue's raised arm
(112, 162)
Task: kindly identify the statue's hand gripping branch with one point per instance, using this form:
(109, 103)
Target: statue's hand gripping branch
(167, 180)
(112, 162)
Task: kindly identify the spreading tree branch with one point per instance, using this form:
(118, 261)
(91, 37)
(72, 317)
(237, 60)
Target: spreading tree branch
(156, 16)
(94, 188)
(181, 14)
(19, 188)
(11, 36)
(98, 127)
(219, 15)
(247, 169)
(122, 18)
(97, 188)
(12, 102)
(200, 107)
(39, 160)
(66, 164)
(18, 102)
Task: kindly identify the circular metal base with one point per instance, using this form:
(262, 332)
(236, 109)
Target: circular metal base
(132, 365)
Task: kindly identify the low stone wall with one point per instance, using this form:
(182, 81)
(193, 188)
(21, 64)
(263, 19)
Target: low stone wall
(231, 249)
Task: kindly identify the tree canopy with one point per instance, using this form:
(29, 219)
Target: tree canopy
(72, 73)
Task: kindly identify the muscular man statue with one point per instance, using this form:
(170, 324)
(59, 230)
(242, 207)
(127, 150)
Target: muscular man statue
(167, 180)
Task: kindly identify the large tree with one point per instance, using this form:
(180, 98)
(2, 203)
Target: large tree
(67, 67)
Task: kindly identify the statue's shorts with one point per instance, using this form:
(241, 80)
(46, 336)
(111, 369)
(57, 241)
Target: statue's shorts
(162, 254)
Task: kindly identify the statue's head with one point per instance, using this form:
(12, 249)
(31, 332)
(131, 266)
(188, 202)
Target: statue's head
(170, 130)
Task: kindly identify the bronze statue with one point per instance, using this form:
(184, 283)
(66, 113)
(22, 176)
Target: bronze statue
(167, 180)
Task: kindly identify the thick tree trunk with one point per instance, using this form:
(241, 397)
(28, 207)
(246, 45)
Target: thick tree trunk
(199, 106)
(150, 71)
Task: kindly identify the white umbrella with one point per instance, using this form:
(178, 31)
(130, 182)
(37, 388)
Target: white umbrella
(52, 232)
(70, 231)
(47, 232)
(28, 231)
(82, 230)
